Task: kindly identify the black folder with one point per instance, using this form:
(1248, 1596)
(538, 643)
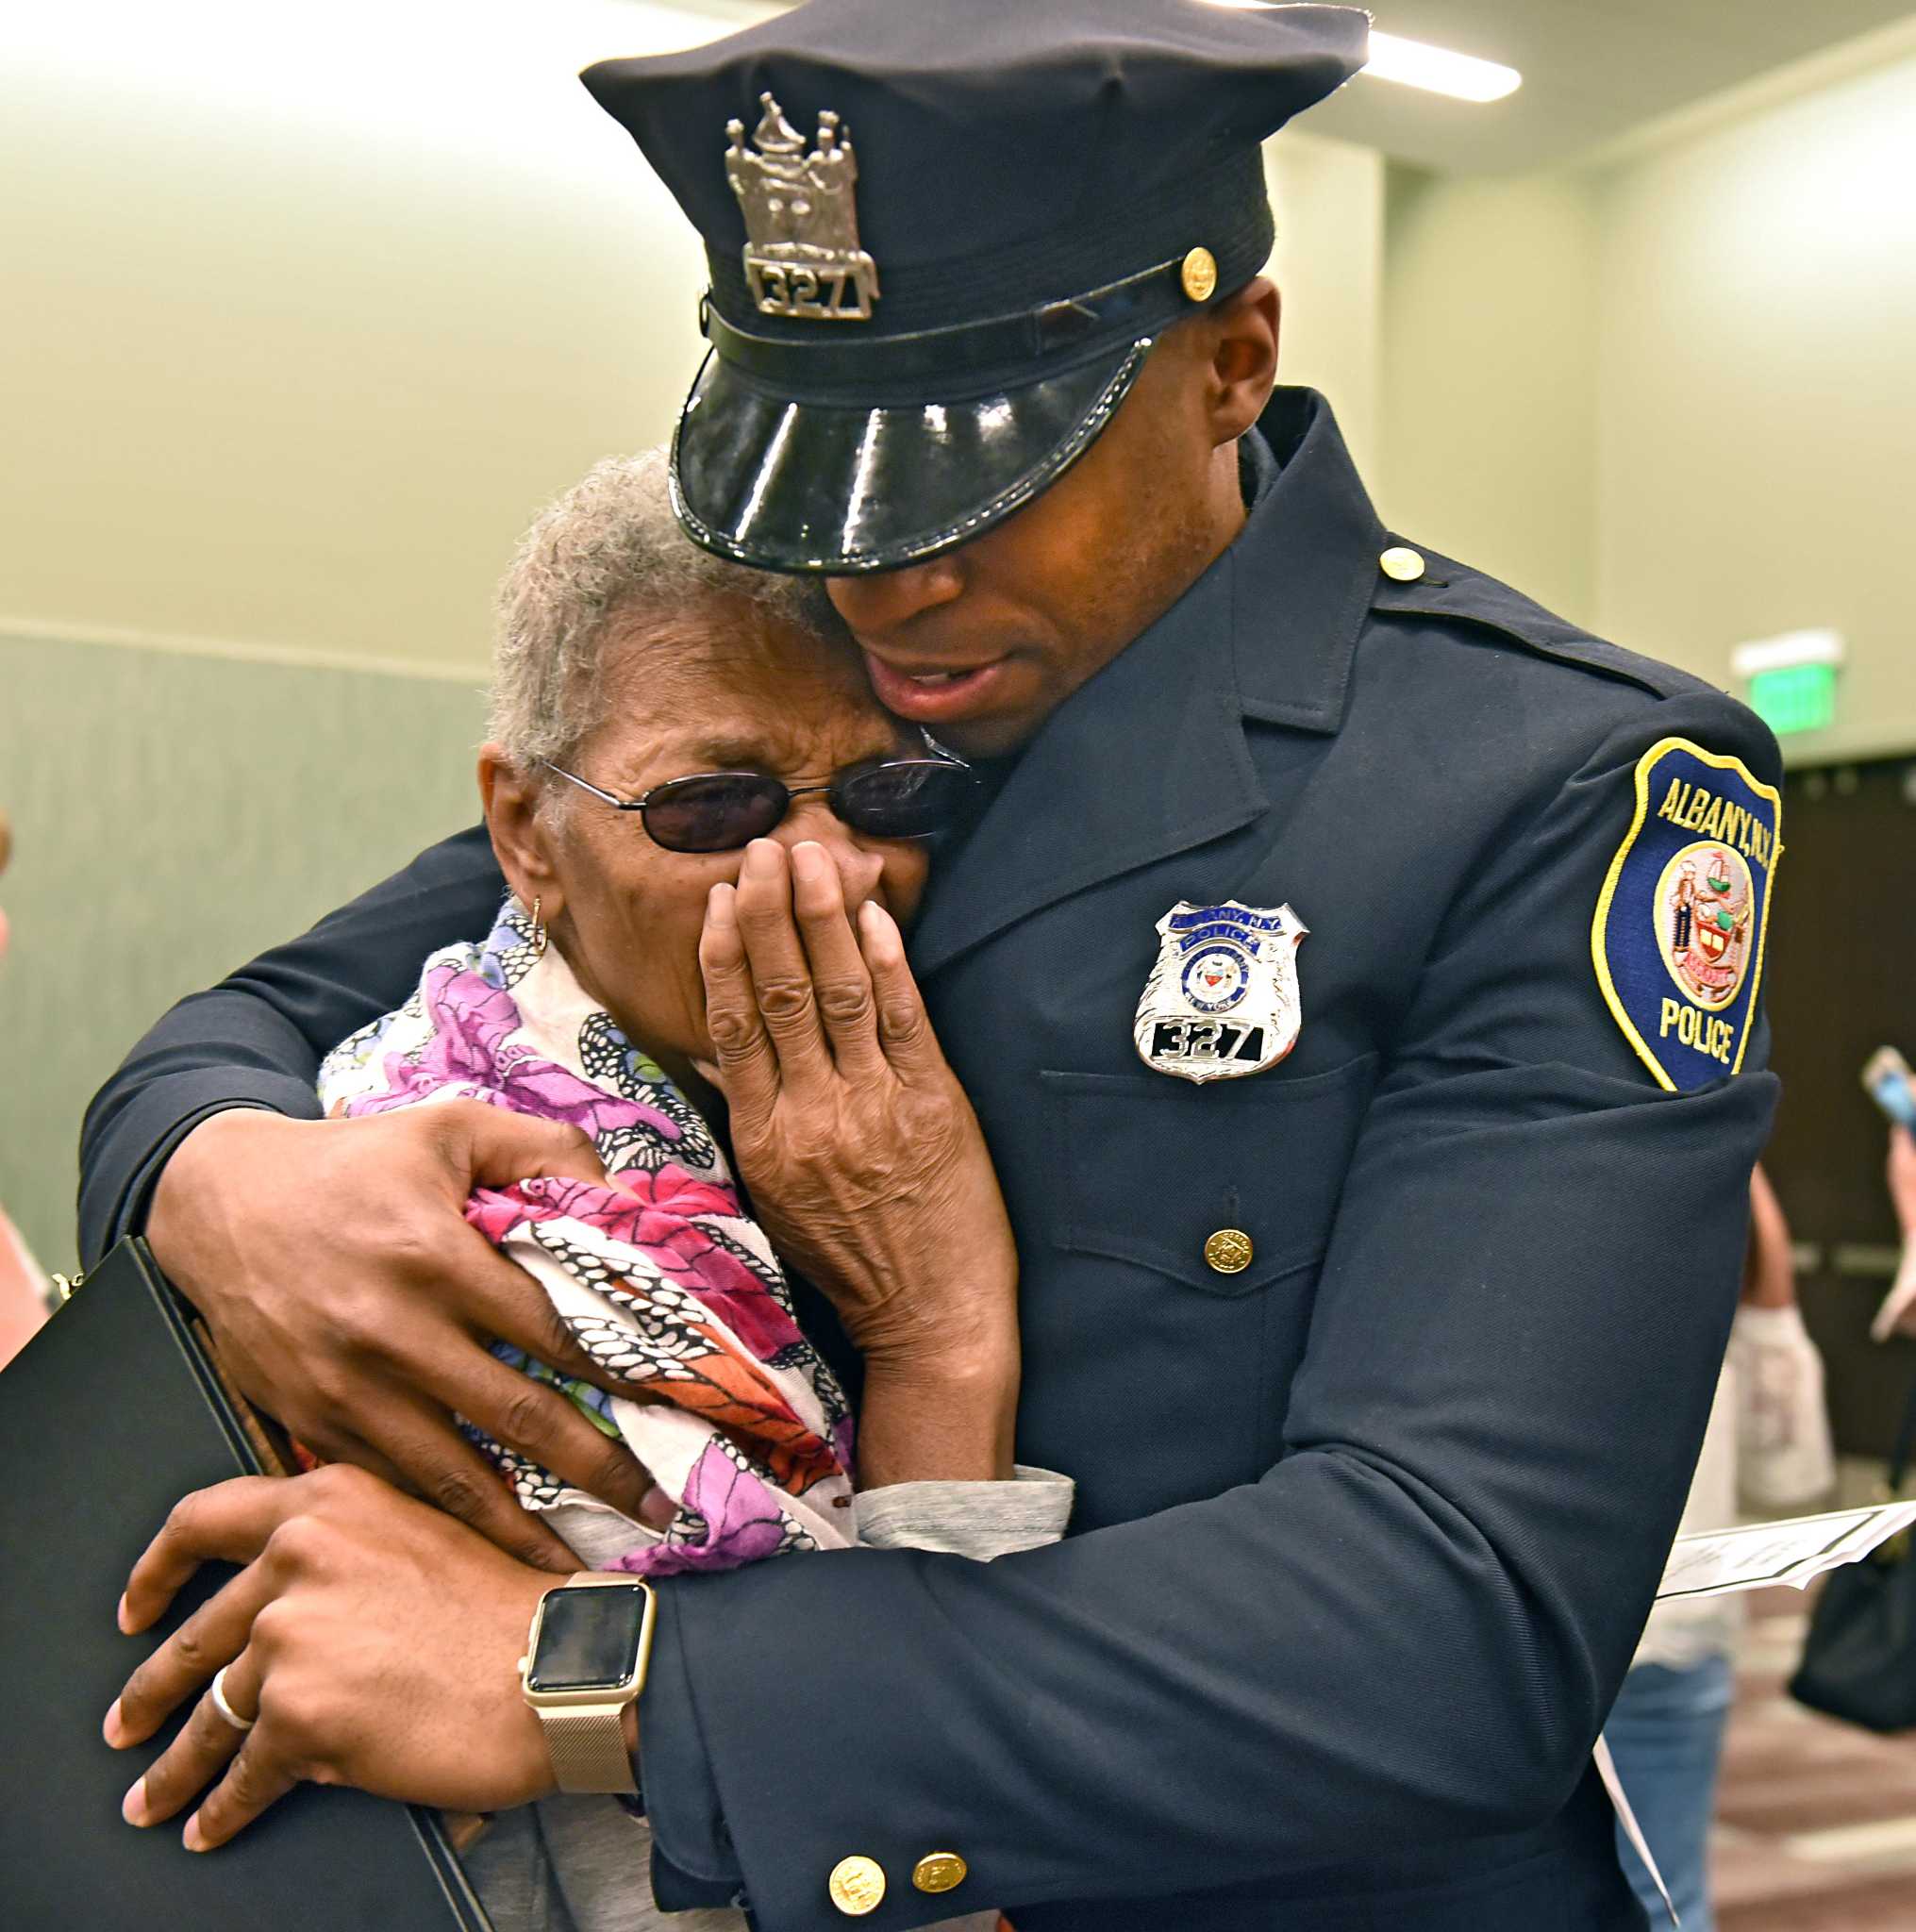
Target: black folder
(108, 1416)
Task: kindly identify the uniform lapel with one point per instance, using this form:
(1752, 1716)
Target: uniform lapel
(1149, 758)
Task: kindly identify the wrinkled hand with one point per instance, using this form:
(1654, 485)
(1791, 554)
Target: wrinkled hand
(348, 1297)
(373, 1641)
(862, 1154)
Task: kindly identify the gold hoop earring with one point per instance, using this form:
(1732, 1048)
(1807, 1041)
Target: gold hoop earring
(538, 928)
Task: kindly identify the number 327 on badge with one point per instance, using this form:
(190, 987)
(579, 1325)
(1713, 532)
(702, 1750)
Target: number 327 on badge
(1222, 1000)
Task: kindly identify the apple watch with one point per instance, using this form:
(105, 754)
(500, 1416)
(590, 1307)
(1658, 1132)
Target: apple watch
(585, 1661)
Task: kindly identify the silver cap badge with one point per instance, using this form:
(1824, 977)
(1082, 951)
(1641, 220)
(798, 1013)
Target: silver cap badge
(1222, 1001)
(802, 252)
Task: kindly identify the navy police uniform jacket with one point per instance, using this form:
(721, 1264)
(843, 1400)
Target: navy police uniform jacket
(1366, 1530)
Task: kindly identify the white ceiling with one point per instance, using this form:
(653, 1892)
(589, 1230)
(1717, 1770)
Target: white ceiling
(1593, 70)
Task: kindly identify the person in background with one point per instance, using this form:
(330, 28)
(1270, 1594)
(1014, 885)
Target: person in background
(22, 1287)
(1785, 1455)
(1768, 1447)
(1897, 1315)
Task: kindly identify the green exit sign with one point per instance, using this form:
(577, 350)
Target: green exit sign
(1794, 697)
(1791, 679)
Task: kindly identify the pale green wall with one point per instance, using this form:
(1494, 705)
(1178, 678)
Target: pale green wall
(1757, 446)
(173, 814)
(1673, 393)
(306, 313)
(1489, 306)
(1329, 264)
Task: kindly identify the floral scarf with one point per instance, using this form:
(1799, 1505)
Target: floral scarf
(661, 1277)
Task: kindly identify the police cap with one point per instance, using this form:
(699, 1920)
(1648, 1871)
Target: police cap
(942, 239)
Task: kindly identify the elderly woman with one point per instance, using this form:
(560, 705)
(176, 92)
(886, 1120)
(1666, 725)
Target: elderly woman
(672, 734)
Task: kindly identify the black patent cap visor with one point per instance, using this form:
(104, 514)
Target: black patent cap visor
(839, 489)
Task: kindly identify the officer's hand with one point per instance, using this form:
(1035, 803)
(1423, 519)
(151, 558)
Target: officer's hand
(373, 1640)
(862, 1154)
(348, 1297)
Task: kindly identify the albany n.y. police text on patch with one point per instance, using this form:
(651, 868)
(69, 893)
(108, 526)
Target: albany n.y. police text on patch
(1678, 934)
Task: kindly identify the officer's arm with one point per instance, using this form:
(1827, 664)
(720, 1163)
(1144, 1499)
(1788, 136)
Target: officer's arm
(1409, 1630)
(257, 1039)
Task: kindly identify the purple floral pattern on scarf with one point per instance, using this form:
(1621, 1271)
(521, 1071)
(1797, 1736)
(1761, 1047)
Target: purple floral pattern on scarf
(468, 1051)
(739, 1517)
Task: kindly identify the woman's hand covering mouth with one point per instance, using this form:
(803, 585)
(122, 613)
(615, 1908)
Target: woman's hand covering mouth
(862, 1154)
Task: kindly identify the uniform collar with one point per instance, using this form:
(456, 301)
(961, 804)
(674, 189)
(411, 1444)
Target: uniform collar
(1149, 758)
(1305, 569)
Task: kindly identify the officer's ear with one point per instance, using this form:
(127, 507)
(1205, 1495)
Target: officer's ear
(1242, 357)
(522, 835)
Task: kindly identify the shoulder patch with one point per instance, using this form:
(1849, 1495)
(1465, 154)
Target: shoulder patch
(1677, 940)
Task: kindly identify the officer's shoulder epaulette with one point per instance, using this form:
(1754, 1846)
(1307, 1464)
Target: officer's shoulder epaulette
(1452, 592)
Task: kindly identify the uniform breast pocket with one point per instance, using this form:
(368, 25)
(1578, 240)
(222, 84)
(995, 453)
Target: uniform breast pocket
(1162, 1174)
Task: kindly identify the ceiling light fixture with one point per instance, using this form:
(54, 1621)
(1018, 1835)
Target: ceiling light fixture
(1416, 63)
(1438, 71)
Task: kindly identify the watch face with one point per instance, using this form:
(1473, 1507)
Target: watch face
(588, 1638)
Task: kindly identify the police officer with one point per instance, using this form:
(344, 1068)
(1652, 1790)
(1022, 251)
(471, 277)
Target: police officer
(1315, 971)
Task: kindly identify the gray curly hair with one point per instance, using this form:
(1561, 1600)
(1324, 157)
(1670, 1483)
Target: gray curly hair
(608, 552)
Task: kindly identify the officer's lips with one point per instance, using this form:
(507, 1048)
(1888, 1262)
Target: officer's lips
(934, 693)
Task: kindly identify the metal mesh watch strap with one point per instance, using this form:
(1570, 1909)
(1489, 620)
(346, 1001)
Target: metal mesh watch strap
(589, 1750)
(586, 1740)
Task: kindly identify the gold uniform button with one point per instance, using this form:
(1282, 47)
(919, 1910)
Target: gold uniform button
(1402, 563)
(1228, 1251)
(939, 1871)
(1199, 275)
(857, 1886)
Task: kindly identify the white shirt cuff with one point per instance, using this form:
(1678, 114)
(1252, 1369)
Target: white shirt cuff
(976, 1520)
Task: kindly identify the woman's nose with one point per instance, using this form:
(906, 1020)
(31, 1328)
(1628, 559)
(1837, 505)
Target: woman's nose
(813, 821)
(875, 606)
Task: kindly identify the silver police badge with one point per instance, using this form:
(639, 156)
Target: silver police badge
(1222, 1001)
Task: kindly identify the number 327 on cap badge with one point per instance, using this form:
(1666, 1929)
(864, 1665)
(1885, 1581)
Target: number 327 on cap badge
(1222, 1001)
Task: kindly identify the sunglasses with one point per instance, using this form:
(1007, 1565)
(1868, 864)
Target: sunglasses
(721, 812)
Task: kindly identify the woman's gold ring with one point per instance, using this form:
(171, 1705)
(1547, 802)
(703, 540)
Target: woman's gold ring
(218, 1692)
